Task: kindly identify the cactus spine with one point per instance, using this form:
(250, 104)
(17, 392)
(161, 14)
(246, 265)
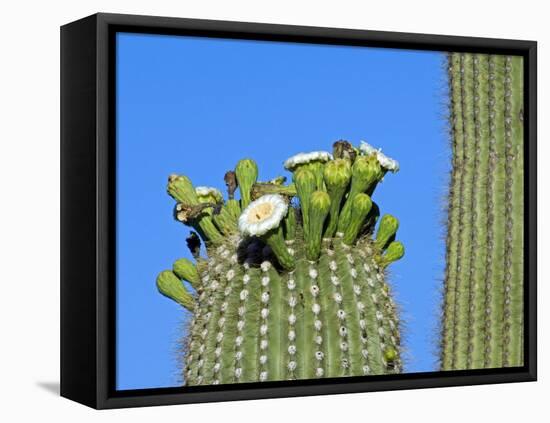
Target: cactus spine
(281, 295)
(483, 304)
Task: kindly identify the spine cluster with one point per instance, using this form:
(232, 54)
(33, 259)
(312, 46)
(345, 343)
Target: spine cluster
(483, 304)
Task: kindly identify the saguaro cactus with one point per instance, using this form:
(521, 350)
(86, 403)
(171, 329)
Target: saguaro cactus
(483, 306)
(290, 289)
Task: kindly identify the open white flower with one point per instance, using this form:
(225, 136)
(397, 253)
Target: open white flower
(262, 215)
(385, 161)
(209, 193)
(303, 158)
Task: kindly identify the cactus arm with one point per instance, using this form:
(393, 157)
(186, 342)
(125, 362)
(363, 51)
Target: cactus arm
(514, 214)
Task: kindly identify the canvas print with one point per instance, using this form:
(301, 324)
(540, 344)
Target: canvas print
(291, 211)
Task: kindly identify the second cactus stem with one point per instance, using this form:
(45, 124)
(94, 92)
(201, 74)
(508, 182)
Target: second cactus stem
(483, 304)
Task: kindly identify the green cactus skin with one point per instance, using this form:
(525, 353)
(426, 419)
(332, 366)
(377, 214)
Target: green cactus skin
(483, 304)
(258, 316)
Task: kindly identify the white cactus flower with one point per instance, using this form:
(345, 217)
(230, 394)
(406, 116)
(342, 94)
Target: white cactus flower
(385, 161)
(303, 158)
(262, 215)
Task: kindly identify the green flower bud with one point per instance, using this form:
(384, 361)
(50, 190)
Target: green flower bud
(337, 174)
(394, 252)
(208, 195)
(386, 230)
(305, 185)
(170, 286)
(390, 355)
(290, 224)
(181, 189)
(233, 208)
(318, 211)
(365, 173)
(225, 221)
(186, 270)
(361, 207)
(247, 175)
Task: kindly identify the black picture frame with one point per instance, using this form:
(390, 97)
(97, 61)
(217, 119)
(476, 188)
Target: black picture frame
(88, 209)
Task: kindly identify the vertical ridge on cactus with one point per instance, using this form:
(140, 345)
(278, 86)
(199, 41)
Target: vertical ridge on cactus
(483, 300)
(280, 295)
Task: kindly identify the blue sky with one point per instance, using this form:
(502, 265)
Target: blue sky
(197, 105)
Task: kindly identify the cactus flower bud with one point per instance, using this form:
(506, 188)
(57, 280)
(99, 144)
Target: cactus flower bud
(185, 269)
(385, 162)
(170, 286)
(394, 252)
(318, 211)
(208, 195)
(365, 173)
(305, 185)
(313, 162)
(337, 174)
(386, 230)
(181, 189)
(247, 175)
(361, 206)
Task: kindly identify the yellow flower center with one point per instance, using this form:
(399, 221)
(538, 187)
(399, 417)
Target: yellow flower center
(260, 212)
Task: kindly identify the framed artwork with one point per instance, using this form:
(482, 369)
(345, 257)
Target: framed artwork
(255, 211)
